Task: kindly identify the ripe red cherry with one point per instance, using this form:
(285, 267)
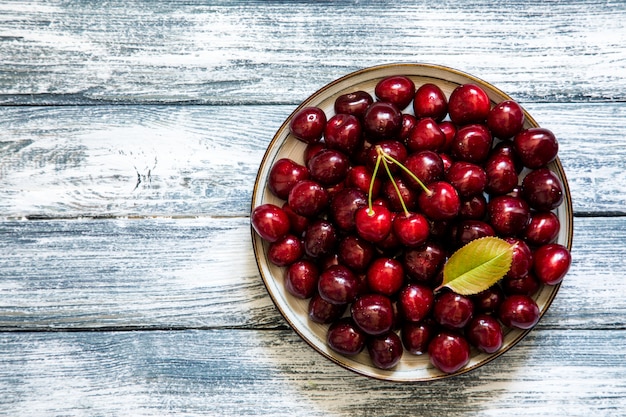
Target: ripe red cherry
(373, 224)
(308, 124)
(468, 103)
(398, 90)
(385, 350)
(526, 285)
(301, 279)
(473, 208)
(489, 300)
(270, 222)
(382, 121)
(344, 133)
(338, 285)
(469, 230)
(320, 238)
(551, 263)
(355, 103)
(328, 167)
(522, 260)
(308, 198)
(321, 311)
(508, 215)
(416, 336)
(542, 229)
(385, 276)
(373, 313)
(360, 177)
(442, 203)
(501, 174)
(425, 165)
(356, 253)
(452, 310)
(393, 148)
(284, 174)
(542, 189)
(468, 178)
(505, 119)
(415, 302)
(285, 251)
(411, 230)
(536, 147)
(345, 337)
(519, 311)
(344, 205)
(449, 352)
(472, 143)
(449, 131)
(408, 123)
(425, 136)
(430, 101)
(485, 333)
(422, 264)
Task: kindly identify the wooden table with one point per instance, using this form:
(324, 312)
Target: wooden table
(130, 137)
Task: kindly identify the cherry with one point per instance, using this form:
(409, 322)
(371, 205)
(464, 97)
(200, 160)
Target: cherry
(285, 251)
(398, 90)
(411, 229)
(508, 215)
(385, 276)
(408, 123)
(385, 350)
(415, 302)
(344, 133)
(469, 179)
(469, 230)
(356, 253)
(320, 238)
(338, 285)
(328, 167)
(489, 300)
(452, 310)
(519, 311)
(442, 203)
(392, 148)
(400, 195)
(468, 103)
(360, 177)
(308, 198)
(313, 149)
(542, 189)
(425, 136)
(430, 101)
(298, 223)
(536, 147)
(449, 130)
(422, 264)
(485, 333)
(552, 261)
(471, 143)
(323, 312)
(501, 174)
(355, 103)
(449, 352)
(425, 165)
(506, 148)
(301, 279)
(270, 222)
(525, 285)
(283, 175)
(382, 120)
(542, 229)
(522, 260)
(308, 124)
(505, 119)
(345, 337)
(473, 208)
(343, 207)
(373, 313)
(373, 223)
(416, 336)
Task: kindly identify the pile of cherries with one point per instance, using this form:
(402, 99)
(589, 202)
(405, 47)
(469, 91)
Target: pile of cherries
(390, 187)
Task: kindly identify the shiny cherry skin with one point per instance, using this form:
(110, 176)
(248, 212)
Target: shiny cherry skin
(298, 223)
(423, 263)
(328, 167)
(323, 312)
(338, 285)
(536, 147)
(472, 143)
(343, 207)
(468, 178)
(485, 333)
(425, 136)
(506, 148)
(506, 119)
(308, 198)
(502, 175)
(489, 300)
(308, 124)
(416, 336)
(415, 301)
(270, 222)
(519, 311)
(449, 352)
(385, 276)
(408, 123)
(382, 121)
(522, 260)
(360, 177)
(542, 189)
(284, 174)
(442, 203)
(468, 103)
(508, 215)
(525, 285)
(411, 230)
(356, 253)
(344, 133)
(398, 90)
(373, 313)
(551, 263)
(430, 101)
(393, 148)
(468, 230)
(345, 337)
(285, 251)
(373, 224)
(320, 239)
(542, 229)
(473, 208)
(427, 166)
(301, 278)
(355, 103)
(385, 350)
(449, 131)
(452, 310)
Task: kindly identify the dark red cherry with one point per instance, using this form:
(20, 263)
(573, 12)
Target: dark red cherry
(452, 310)
(501, 174)
(551, 263)
(284, 174)
(392, 148)
(468, 103)
(468, 230)
(485, 333)
(408, 123)
(373, 224)
(308, 198)
(398, 90)
(425, 136)
(298, 223)
(385, 276)
(345, 337)
(505, 119)
(308, 124)
(522, 260)
(468, 178)
(526, 285)
(301, 279)
(313, 149)
(422, 264)
(328, 167)
(382, 121)
(344, 133)
(415, 302)
(343, 207)
(536, 147)
(489, 300)
(416, 336)
(360, 177)
(385, 350)
(442, 203)
(320, 239)
(471, 143)
(430, 101)
(508, 215)
(285, 250)
(506, 148)
(323, 312)
(473, 208)
(270, 222)
(427, 166)
(356, 253)
(355, 103)
(542, 189)
(338, 285)
(411, 230)
(519, 311)
(449, 352)
(373, 313)
(542, 229)
(449, 131)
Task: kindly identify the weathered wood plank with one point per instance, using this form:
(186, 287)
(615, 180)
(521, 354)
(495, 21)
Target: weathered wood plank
(201, 273)
(252, 373)
(269, 52)
(202, 160)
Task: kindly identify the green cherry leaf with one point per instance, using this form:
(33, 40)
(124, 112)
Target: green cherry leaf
(478, 265)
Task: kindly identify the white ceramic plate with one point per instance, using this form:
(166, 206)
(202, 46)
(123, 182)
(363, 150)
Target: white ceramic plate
(411, 368)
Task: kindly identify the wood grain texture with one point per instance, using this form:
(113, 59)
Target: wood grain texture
(201, 273)
(274, 373)
(202, 160)
(226, 52)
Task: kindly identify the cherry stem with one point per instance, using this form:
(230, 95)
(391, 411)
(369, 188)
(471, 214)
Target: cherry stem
(371, 189)
(406, 211)
(405, 169)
